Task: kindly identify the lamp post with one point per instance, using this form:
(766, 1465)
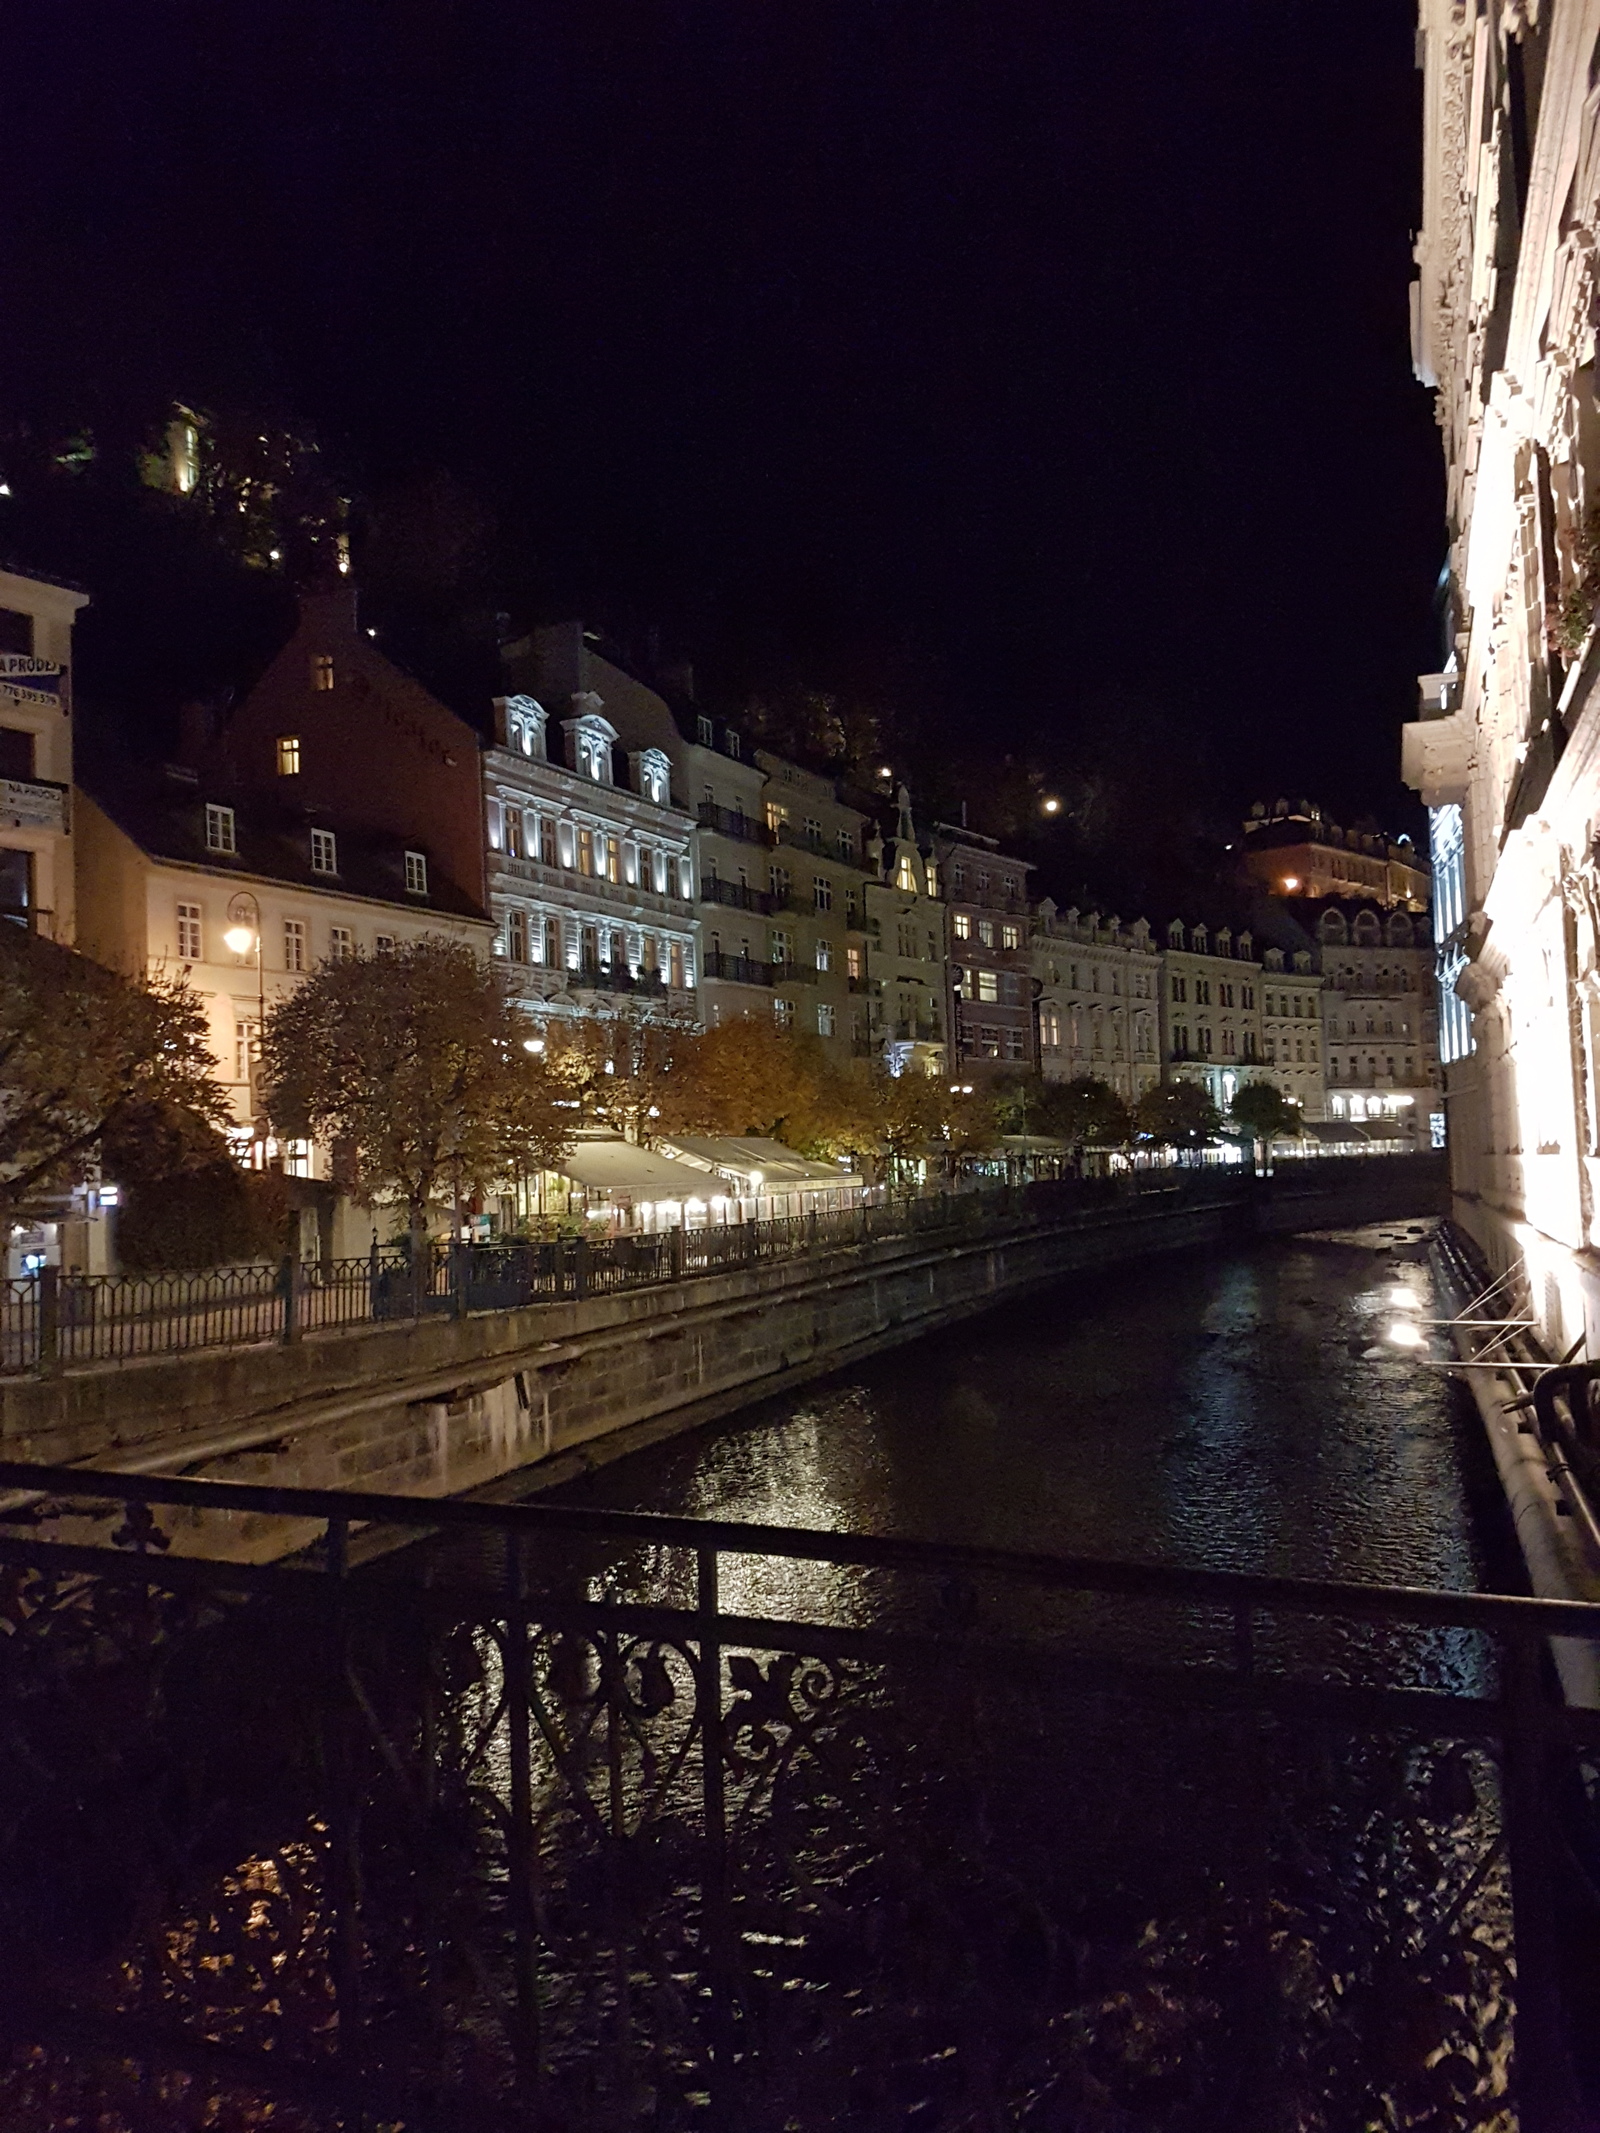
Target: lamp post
(243, 933)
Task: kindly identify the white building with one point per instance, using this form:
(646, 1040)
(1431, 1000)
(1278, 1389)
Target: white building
(1097, 1010)
(244, 901)
(590, 874)
(907, 980)
(1210, 1010)
(1291, 1030)
(1507, 749)
(36, 870)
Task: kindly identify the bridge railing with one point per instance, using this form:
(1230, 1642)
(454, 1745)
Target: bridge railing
(590, 1819)
(54, 1320)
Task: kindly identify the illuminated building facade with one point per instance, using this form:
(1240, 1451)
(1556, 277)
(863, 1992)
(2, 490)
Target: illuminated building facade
(990, 1004)
(904, 992)
(1506, 749)
(36, 866)
(1291, 1029)
(1210, 997)
(1097, 1012)
(1379, 1046)
(1294, 850)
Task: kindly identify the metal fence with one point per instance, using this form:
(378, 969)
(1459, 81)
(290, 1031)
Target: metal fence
(581, 1820)
(54, 1321)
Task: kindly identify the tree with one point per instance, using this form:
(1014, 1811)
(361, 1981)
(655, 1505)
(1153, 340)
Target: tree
(82, 1051)
(185, 1201)
(415, 1065)
(1260, 1110)
(1177, 1114)
(621, 1070)
(747, 1076)
(1087, 1112)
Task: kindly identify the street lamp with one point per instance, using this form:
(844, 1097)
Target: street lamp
(244, 933)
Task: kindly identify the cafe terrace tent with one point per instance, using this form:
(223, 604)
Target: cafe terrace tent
(641, 1189)
(763, 1175)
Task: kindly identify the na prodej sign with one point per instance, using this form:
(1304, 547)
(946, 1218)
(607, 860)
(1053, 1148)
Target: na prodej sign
(27, 680)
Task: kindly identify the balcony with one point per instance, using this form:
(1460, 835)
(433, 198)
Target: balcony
(736, 895)
(794, 974)
(597, 978)
(736, 969)
(744, 829)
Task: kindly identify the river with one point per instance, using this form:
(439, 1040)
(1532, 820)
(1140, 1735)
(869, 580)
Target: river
(1240, 1409)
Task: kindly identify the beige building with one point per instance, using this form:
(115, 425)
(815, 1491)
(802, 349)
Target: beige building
(898, 1008)
(244, 903)
(1295, 850)
(1097, 1011)
(37, 883)
(1291, 1029)
(816, 878)
(1380, 1058)
(1506, 751)
(1211, 1010)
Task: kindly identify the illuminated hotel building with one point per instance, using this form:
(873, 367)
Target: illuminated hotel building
(1506, 749)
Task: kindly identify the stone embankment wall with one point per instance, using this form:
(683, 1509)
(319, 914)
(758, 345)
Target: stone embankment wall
(445, 1406)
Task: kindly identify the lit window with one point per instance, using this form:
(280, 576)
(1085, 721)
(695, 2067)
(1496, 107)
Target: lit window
(189, 934)
(322, 670)
(613, 859)
(783, 1013)
(246, 1048)
(822, 893)
(986, 932)
(824, 1019)
(341, 945)
(962, 926)
(824, 956)
(1010, 936)
(416, 874)
(585, 851)
(219, 829)
(852, 964)
(988, 985)
(288, 755)
(517, 936)
(294, 944)
(905, 879)
(324, 852)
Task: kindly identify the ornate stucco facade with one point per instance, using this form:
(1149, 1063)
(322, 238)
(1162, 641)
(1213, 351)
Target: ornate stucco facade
(1506, 751)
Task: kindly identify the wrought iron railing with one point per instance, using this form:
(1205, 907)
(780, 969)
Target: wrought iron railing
(54, 1320)
(598, 1820)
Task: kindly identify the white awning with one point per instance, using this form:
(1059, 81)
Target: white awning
(740, 1158)
(626, 1172)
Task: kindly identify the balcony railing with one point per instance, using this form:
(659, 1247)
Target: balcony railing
(735, 969)
(736, 895)
(598, 978)
(744, 829)
(567, 882)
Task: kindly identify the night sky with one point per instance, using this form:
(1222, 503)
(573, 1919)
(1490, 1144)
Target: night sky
(1054, 355)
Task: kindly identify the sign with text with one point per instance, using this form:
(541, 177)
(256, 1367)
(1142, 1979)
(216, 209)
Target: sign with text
(27, 680)
(28, 806)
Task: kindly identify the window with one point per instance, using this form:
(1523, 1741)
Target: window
(822, 893)
(852, 964)
(416, 874)
(189, 946)
(517, 936)
(341, 946)
(552, 942)
(1016, 1044)
(703, 733)
(732, 740)
(824, 1019)
(1180, 1042)
(777, 816)
(680, 971)
(383, 944)
(962, 926)
(783, 1013)
(905, 876)
(585, 851)
(514, 833)
(288, 755)
(986, 932)
(1050, 1029)
(958, 876)
(1011, 936)
(219, 829)
(324, 853)
(814, 833)
(246, 1048)
(613, 859)
(1248, 995)
(1180, 987)
(782, 944)
(988, 984)
(824, 956)
(294, 944)
(322, 670)
(778, 883)
(847, 844)
(547, 841)
(1205, 1044)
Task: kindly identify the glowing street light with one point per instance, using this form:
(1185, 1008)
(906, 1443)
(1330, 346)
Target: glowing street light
(243, 933)
(533, 1044)
(1291, 882)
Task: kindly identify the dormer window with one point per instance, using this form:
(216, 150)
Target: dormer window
(324, 852)
(322, 670)
(733, 743)
(655, 777)
(220, 836)
(703, 732)
(524, 725)
(288, 755)
(416, 874)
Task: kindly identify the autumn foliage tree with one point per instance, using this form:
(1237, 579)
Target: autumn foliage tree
(82, 1053)
(1177, 1114)
(415, 1065)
